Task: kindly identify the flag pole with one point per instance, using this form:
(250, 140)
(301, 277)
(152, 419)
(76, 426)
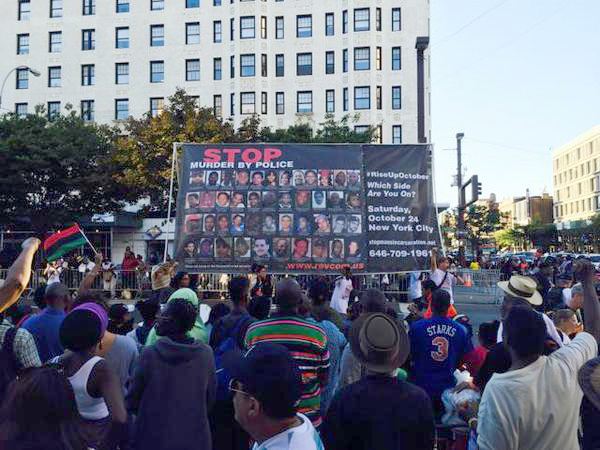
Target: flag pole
(173, 158)
(87, 240)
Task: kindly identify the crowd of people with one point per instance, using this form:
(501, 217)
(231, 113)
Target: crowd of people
(282, 367)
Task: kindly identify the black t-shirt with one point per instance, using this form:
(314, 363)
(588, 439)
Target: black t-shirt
(379, 412)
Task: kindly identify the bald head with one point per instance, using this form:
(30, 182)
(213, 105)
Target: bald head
(57, 295)
(288, 294)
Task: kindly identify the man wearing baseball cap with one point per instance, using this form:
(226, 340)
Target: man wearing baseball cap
(266, 386)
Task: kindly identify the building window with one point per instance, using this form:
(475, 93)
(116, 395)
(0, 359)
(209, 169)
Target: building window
(157, 5)
(329, 100)
(157, 106)
(54, 76)
(396, 61)
(345, 60)
(345, 21)
(304, 64)
(329, 62)
(22, 78)
(329, 24)
(396, 24)
(122, 6)
(157, 71)
(361, 19)
(232, 66)
(217, 69)
(192, 33)
(87, 110)
(247, 65)
(231, 29)
(396, 97)
(304, 26)
(217, 31)
(232, 103)
(378, 19)
(304, 100)
(397, 134)
(263, 65)
(279, 27)
(345, 99)
(56, 8)
(24, 9)
(88, 75)
(122, 37)
(216, 2)
(263, 27)
(378, 100)
(53, 110)
(192, 70)
(361, 129)
(121, 109)
(157, 35)
(122, 73)
(279, 65)
(89, 7)
(192, 3)
(279, 103)
(21, 110)
(55, 41)
(23, 44)
(378, 58)
(88, 39)
(362, 97)
(247, 27)
(362, 58)
(218, 106)
(263, 103)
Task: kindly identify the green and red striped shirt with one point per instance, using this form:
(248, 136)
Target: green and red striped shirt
(307, 343)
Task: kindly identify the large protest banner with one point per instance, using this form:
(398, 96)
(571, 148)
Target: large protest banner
(303, 208)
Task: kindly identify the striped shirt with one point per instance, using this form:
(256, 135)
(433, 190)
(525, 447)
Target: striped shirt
(307, 343)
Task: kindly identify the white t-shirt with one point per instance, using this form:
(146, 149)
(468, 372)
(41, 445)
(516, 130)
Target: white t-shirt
(536, 407)
(414, 288)
(341, 295)
(437, 276)
(550, 330)
(302, 437)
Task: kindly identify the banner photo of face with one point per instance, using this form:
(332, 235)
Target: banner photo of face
(297, 208)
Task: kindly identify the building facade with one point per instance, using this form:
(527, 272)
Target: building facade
(576, 178)
(522, 211)
(289, 61)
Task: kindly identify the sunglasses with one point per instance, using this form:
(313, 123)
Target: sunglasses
(232, 388)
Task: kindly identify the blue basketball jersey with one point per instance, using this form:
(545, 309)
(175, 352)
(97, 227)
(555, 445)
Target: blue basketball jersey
(437, 346)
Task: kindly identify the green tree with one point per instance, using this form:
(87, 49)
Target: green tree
(482, 222)
(53, 172)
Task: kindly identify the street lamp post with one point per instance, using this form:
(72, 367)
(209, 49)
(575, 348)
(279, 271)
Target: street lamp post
(34, 72)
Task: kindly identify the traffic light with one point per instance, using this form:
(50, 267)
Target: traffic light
(475, 188)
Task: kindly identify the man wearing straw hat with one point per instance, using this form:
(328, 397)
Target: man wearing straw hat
(535, 404)
(379, 411)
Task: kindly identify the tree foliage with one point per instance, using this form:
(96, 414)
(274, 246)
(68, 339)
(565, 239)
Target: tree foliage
(52, 172)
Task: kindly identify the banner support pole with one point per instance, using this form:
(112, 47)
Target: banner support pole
(173, 158)
(87, 240)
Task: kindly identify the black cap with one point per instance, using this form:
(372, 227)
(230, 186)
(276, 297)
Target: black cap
(269, 373)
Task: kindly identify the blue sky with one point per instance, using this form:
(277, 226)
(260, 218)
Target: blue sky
(518, 77)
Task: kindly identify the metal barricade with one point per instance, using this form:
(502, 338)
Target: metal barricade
(480, 287)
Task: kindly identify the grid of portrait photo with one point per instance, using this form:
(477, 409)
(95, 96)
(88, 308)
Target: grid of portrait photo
(284, 215)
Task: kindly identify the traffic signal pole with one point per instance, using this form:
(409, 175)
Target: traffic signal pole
(460, 227)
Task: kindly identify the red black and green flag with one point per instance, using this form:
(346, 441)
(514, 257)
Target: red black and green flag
(63, 241)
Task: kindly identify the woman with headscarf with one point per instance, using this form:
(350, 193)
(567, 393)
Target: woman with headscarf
(98, 392)
(198, 331)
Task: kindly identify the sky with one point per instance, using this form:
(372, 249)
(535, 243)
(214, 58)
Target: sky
(517, 77)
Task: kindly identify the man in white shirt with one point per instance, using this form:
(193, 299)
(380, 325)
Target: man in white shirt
(440, 275)
(535, 404)
(266, 385)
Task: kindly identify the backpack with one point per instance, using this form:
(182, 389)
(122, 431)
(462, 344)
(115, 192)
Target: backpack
(8, 362)
(226, 353)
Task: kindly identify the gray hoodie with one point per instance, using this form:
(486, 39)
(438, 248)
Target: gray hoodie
(172, 391)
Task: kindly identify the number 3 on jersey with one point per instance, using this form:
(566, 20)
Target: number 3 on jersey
(441, 344)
